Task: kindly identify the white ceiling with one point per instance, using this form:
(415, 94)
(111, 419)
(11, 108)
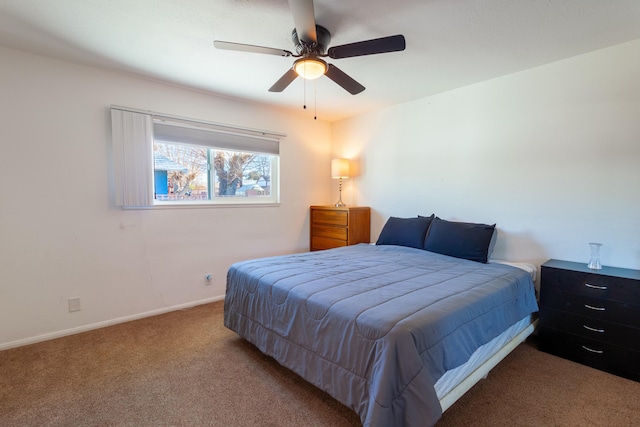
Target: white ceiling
(450, 43)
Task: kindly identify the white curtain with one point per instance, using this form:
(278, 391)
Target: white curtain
(133, 157)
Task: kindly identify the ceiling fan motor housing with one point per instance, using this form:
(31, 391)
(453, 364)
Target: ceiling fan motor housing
(323, 37)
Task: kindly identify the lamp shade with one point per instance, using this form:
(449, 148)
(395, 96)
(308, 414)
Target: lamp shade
(339, 168)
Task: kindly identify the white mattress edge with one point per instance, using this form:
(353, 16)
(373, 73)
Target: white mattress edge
(529, 268)
(455, 382)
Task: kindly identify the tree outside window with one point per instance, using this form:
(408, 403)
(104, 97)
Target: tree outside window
(234, 174)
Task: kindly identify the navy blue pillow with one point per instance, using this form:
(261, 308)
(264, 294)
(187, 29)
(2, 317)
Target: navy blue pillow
(460, 239)
(404, 232)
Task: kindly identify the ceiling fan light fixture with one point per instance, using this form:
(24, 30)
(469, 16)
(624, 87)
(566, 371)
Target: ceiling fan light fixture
(310, 68)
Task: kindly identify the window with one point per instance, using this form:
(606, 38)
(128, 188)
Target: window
(164, 161)
(184, 172)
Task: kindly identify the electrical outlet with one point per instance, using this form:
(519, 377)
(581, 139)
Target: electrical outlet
(74, 304)
(208, 278)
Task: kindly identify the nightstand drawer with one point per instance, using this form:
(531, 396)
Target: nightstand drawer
(592, 328)
(591, 284)
(606, 357)
(321, 243)
(597, 308)
(331, 217)
(339, 233)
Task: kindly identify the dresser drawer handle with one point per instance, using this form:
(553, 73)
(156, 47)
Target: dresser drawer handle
(601, 331)
(589, 285)
(592, 350)
(590, 307)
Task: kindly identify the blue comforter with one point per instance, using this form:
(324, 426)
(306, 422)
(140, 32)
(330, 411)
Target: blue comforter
(375, 326)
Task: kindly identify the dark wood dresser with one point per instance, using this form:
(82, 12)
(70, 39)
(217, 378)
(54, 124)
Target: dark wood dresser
(332, 227)
(591, 316)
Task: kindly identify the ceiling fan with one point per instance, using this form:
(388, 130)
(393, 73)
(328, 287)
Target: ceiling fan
(311, 43)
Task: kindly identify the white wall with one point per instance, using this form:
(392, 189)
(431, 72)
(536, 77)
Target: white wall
(551, 154)
(61, 236)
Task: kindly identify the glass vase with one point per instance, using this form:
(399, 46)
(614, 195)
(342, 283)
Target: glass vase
(594, 261)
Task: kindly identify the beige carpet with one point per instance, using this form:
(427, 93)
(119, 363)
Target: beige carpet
(186, 369)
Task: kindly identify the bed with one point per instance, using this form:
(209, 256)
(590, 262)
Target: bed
(397, 333)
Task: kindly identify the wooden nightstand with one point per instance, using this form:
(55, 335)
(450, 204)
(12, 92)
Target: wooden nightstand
(591, 316)
(332, 227)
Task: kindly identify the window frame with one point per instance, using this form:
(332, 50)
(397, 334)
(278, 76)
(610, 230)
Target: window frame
(134, 157)
(272, 199)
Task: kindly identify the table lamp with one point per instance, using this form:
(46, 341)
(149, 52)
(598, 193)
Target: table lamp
(340, 171)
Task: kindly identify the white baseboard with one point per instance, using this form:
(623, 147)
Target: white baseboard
(98, 325)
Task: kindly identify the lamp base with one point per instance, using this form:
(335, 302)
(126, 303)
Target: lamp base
(340, 204)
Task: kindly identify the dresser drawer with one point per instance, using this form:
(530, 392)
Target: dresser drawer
(339, 233)
(591, 328)
(331, 217)
(597, 308)
(607, 357)
(321, 243)
(591, 284)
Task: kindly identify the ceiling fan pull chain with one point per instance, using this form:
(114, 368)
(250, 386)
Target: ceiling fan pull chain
(304, 91)
(315, 100)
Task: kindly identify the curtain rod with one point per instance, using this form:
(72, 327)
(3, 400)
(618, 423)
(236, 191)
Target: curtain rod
(220, 125)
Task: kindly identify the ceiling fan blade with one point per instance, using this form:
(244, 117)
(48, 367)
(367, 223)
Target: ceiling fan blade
(284, 81)
(304, 19)
(342, 79)
(368, 47)
(250, 48)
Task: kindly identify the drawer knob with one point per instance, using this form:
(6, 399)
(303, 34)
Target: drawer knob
(601, 288)
(590, 307)
(592, 350)
(589, 328)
